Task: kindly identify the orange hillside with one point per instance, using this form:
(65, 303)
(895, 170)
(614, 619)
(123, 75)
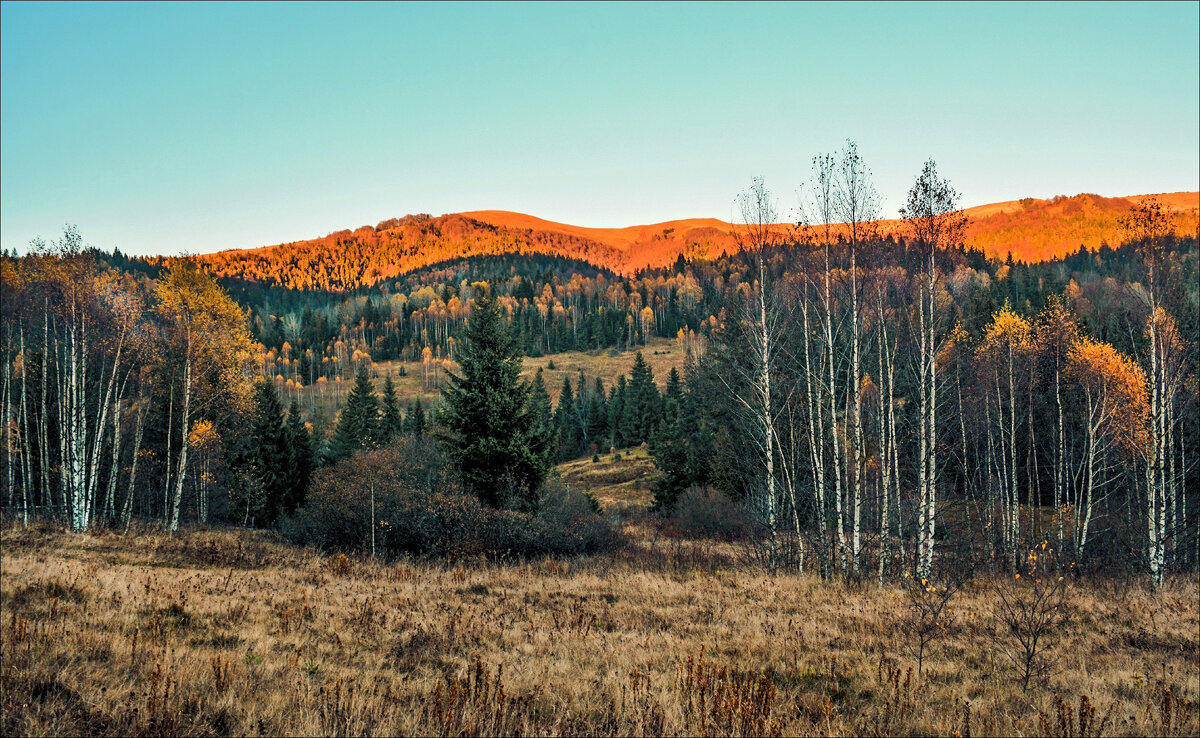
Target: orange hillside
(1031, 229)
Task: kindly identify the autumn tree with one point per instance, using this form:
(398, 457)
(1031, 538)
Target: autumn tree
(1147, 226)
(1115, 419)
(856, 205)
(208, 332)
(1004, 353)
(757, 233)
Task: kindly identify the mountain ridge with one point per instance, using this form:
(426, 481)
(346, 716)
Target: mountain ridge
(1031, 229)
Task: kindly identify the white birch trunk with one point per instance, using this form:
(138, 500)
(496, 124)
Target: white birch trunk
(127, 511)
(181, 474)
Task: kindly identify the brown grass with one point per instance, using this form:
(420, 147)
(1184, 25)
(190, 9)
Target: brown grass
(621, 480)
(230, 633)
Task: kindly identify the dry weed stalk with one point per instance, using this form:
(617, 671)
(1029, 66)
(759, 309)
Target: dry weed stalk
(1068, 726)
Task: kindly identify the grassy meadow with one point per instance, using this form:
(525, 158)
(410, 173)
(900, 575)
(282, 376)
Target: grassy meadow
(220, 633)
(415, 381)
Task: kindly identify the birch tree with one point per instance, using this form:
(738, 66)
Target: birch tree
(208, 331)
(931, 212)
(1147, 225)
(1115, 414)
(757, 233)
(1004, 353)
(856, 206)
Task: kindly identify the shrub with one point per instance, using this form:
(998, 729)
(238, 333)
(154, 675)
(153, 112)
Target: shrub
(1030, 610)
(707, 513)
(420, 509)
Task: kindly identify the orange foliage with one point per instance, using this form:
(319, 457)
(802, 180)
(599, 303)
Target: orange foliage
(1032, 230)
(1118, 381)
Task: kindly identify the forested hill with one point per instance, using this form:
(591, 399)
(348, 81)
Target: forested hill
(1032, 230)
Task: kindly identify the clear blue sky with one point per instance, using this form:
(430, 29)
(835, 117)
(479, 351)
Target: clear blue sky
(166, 128)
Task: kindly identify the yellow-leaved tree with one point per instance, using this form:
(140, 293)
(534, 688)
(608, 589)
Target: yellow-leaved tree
(1117, 414)
(208, 335)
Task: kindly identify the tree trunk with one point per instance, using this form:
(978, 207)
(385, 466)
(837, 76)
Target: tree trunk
(185, 420)
(127, 511)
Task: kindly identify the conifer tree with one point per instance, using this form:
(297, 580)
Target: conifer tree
(616, 410)
(269, 456)
(358, 425)
(566, 418)
(597, 428)
(303, 459)
(640, 414)
(390, 421)
(583, 409)
(673, 396)
(544, 425)
(489, 430)
(683, 448)
(415, 423)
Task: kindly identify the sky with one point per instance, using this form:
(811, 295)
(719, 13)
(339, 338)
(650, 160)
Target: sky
(180, 128)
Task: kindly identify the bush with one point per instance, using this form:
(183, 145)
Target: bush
(420, 509)
(707, 513)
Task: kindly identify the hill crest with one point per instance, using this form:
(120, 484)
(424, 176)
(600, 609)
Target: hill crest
(1031, 229)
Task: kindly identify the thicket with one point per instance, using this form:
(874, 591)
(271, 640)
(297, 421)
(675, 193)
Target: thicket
(407, 499)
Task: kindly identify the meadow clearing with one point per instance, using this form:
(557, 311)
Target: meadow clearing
(231, 632)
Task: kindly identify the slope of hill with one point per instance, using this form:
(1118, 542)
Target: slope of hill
(1031, 229)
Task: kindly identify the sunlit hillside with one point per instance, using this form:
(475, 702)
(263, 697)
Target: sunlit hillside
(1031, 229)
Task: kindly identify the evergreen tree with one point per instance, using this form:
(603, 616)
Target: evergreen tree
(597, 428)
(566, 418)
(302, 457)
(415, 423)
(390, 422)
(490, 431)
(269, 455)
(544, 425)
(583, 408)
(670, 451)
(616, 410)
(673, 396)
(358, 425)
(640, 414)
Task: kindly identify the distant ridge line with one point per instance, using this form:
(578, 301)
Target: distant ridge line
(1031, 229)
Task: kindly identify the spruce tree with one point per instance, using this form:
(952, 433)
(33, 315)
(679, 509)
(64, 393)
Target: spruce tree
(415, 423)
(269, 456)
(302, 457)
(566, 418)
(683, 447)
(616, 410)
(390, 421)
(640, 414)
(545, 427)
(597, 429)
(358, 425)
(670, 451)
(672, 396)
(490, 432)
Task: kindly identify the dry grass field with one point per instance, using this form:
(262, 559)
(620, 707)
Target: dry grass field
(216, 633)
